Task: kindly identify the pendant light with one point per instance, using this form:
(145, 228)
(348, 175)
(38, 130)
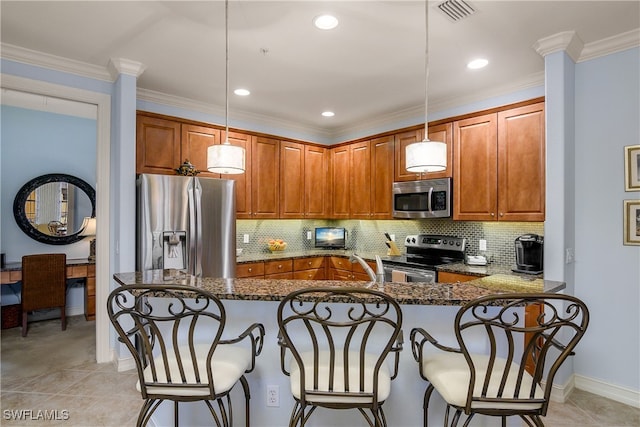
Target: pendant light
(426, 156)
(226, 158)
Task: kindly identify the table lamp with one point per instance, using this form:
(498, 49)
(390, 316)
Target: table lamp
(89, 230)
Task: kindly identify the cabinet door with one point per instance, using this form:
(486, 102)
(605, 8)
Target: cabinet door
(316, 182)
(292, 172)
(360, 181)
(442, 133)
(157, 145)
(475, 168)
(243, 180)
(446, 277)
(382, 177)
(401, 141)
(265, 177)
(195, 142)
(340, 163)
(521, 164)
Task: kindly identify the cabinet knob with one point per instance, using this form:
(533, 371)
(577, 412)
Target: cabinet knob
(309, 263)
(250, 269)
(279, 265)
(501, 214)
(492, 214)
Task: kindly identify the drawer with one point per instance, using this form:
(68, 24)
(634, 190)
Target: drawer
(446, 277)
(308, 263)
(313, 274)
(339, 274)
(340, 263)
(286, 275)
(357, 268)
(252, 269)
(77, 271)
(11, 276)
(280, 266)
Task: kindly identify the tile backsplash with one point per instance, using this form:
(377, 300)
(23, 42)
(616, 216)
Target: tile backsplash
(367, 236)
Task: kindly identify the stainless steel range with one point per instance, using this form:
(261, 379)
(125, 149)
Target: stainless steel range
(424, 253)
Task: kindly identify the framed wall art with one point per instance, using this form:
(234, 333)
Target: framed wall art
(632, 222)
(632, 168)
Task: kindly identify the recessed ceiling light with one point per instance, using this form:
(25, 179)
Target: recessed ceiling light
(325, 22)
(241, 92)
(477, 63)
(328, 113)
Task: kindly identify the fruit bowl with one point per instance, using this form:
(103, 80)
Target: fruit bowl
(277, 245)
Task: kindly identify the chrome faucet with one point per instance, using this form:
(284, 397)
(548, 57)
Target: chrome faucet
(378, 276)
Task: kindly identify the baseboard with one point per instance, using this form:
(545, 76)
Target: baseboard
(560, 392)
(124, 363)
(610, 391)
(75, 311)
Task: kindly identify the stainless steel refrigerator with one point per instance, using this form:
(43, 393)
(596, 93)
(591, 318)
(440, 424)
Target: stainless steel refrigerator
(186, 223)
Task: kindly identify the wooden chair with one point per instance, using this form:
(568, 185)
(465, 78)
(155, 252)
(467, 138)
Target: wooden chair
(175, 334)
(485, 374)
(44, 278)
(336, 345)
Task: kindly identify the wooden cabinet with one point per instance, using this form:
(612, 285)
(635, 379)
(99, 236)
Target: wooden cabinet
(447, 277)
(243, 180)
(280, 269)
(194, 144)
(316, 182)
(292, 180)
(340, 166)
(157, 145)
(162, 145)
(312, 268)
(362, 179)
(499, 166)
(342, 269)
(265, 178)
(250, 269)
(90, 293)
(442, 133)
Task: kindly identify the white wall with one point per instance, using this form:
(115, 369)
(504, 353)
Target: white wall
(607, 273)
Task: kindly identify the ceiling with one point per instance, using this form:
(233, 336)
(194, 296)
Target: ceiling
(370, 67)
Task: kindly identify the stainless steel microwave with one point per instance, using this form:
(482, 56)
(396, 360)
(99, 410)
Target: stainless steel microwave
(429, 198)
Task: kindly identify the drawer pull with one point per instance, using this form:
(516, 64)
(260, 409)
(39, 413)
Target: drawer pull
(279, 265)
(250, 269)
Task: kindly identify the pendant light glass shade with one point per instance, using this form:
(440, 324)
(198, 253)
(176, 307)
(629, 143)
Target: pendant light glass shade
(225, 158)
(426, 156)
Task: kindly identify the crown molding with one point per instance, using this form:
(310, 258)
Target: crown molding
(567, 41)
(53, 62)
(610, 45)
(119, 66)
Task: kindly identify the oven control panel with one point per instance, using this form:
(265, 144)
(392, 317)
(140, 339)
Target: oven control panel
(433, 241)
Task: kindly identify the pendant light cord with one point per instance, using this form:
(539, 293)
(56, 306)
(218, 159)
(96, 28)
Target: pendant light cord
(226, 71)
(426, 70)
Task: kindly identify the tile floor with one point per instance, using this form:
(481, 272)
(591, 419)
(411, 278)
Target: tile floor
(54, 370)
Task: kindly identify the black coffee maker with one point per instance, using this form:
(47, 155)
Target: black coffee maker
(529, 254)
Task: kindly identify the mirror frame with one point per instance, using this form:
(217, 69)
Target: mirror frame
(21, 198)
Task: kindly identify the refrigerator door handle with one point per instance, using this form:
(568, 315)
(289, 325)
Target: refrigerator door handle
(195, 230)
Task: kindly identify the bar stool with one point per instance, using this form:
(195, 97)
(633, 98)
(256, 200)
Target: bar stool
(175, 334)
(504, 380)
(336, 345)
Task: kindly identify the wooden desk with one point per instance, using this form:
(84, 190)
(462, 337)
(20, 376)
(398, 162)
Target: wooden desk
(76, 269)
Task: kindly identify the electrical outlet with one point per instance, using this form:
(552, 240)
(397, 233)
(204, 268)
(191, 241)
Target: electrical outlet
(482, 245)
(273, 395)
(308, 235)
(569, 256)
(245, 238)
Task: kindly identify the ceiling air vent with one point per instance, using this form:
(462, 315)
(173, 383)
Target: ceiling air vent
(456, 9)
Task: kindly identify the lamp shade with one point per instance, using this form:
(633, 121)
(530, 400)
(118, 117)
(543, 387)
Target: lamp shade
(426, 156)
(88, 226)
(225, 158)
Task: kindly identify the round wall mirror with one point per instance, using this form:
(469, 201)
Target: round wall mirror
(51, 208)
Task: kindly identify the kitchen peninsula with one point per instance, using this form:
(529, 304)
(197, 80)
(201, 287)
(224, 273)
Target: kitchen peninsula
(247, 300)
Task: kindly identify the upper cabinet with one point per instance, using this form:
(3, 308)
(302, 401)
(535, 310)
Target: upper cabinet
(442, 133)
(265, 178)
(194, 144)
(362, 178)
(243, 180)
(158, 145)
(499, 166)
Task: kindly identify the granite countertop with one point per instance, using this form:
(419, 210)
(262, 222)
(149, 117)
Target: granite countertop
(405, 293)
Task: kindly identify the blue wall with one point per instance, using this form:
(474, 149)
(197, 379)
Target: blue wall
(35, 143)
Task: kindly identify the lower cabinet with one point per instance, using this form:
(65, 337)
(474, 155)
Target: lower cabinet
(312, 268)
(342, 269)
(250, 269)
(280, 269)
(446, 277)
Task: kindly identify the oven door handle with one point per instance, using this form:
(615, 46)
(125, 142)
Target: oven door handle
(429, 200)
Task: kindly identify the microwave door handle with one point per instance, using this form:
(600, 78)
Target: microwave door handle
(429, 200)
